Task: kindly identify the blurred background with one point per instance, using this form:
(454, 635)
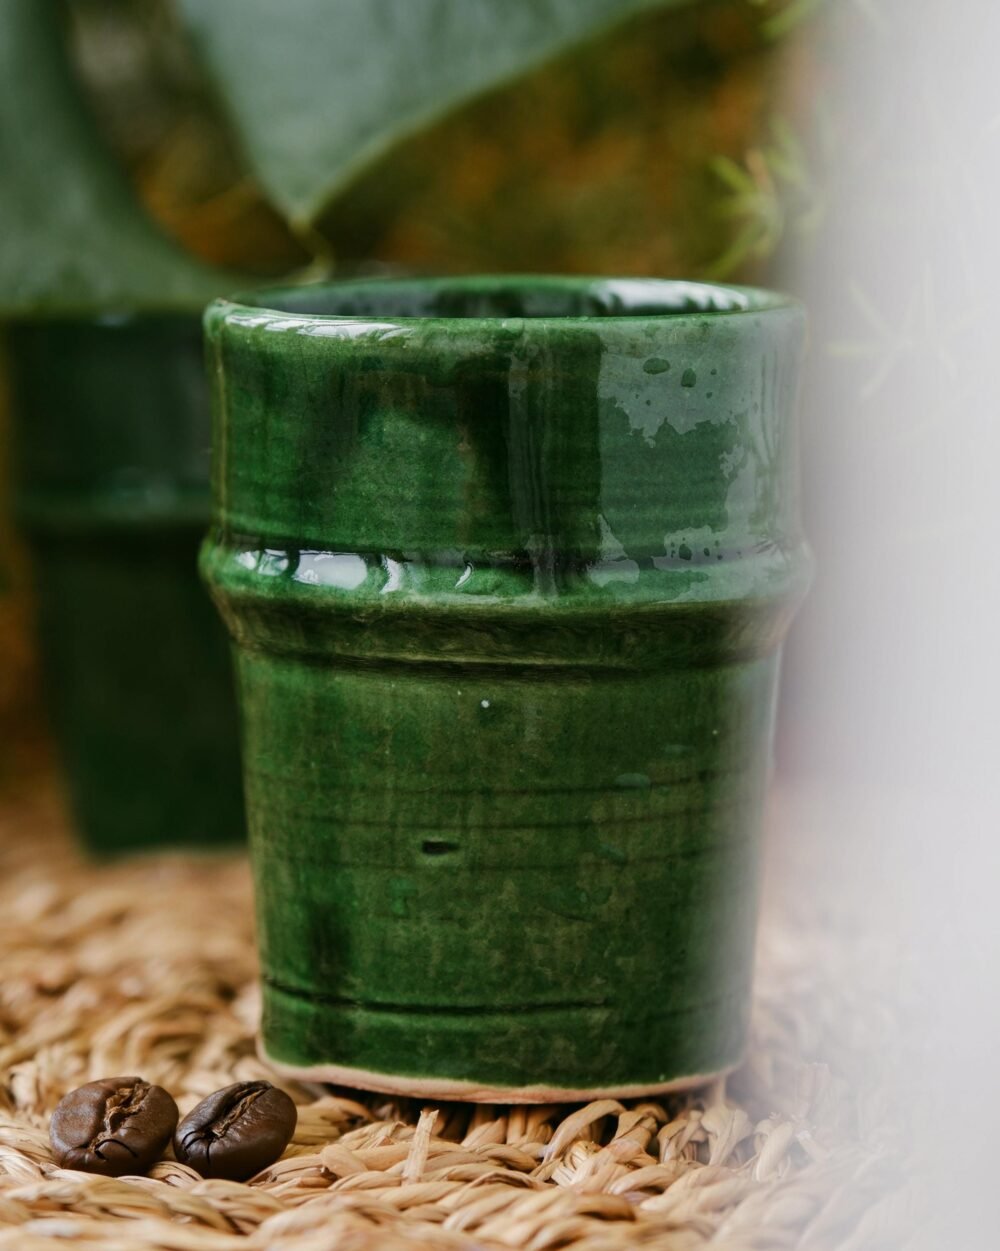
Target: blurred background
(842, 149)
(672, 143)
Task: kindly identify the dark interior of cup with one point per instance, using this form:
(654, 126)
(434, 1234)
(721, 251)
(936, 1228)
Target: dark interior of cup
(501, 297)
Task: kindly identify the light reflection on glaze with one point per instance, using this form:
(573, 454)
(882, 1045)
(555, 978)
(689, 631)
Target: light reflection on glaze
(683, 574)
(394, 575)
(349, 329)
(699, 297)
(311, 327)
(344, 570)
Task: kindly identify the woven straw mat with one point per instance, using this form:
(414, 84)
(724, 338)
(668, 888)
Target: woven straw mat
(148, 967)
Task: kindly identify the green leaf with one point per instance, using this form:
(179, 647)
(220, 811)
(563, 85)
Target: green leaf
(319, 89)
(73, 238)
(793, 15)
(734, 176)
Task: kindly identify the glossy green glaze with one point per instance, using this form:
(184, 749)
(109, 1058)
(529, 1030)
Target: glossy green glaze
(508, 563)
(111, 479)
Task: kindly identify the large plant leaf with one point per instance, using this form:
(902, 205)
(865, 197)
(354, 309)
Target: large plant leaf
(73, 239)
(318, 89)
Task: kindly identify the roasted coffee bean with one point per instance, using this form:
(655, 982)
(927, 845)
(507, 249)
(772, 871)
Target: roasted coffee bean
(114, 1126)
(237, 1131)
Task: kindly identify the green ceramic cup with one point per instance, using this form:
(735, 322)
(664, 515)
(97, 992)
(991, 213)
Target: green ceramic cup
(508, 563)
(111, 468)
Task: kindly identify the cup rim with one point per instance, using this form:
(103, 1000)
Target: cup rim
(682, 300)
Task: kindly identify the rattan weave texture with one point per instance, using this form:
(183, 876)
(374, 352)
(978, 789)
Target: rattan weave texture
(148, 967)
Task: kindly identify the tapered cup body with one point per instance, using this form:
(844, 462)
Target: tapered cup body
(508, 564)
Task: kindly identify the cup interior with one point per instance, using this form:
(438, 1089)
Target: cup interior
(507, 297)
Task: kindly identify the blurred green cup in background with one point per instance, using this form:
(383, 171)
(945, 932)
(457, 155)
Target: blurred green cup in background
(111, 455)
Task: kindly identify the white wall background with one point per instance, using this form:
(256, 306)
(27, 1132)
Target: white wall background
(890, 738)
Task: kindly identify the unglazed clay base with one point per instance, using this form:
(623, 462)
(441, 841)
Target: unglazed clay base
(471, 1092)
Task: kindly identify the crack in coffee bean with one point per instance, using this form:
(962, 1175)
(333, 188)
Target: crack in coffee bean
(237, 1131)
(113, 1126)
